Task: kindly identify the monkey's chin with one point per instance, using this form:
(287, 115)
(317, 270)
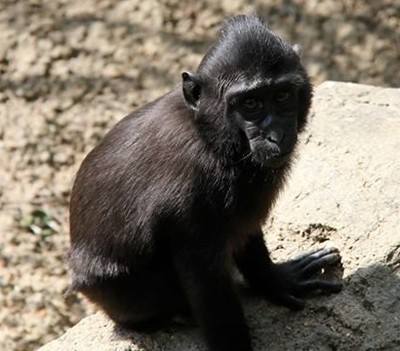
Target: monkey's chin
(275, 162)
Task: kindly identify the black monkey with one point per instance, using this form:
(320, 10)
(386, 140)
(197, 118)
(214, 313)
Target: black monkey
(176, 194)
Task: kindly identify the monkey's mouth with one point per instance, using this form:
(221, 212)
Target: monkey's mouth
(267, 156)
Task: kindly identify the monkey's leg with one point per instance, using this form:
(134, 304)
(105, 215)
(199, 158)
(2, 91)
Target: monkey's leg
(144, 301)
(215, 305)
(286, 283)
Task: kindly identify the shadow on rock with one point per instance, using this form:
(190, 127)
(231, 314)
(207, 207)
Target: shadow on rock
(364, 316)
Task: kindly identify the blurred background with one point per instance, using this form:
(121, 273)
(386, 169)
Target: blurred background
(69, 69)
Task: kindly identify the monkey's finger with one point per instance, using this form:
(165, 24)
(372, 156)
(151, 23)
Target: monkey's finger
(314, 255)
(323, 286)
(305, 255)
(317, 264)
(288, 301)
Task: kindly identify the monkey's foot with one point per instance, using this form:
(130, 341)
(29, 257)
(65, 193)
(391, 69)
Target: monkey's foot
(304, 275)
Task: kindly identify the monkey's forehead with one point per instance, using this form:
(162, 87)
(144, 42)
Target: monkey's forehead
(242, 63)
(259, 82)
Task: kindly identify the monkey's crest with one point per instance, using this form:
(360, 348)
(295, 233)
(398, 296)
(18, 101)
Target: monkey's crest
(248, 48)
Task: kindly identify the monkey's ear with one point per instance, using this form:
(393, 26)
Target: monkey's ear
(298, 49)
(191, 90)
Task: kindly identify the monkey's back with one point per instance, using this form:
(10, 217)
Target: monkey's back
(137, 179)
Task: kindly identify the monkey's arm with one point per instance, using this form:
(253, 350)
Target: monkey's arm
(285, 283)
(209, 290)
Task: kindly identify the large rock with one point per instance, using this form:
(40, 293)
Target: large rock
(344, 190)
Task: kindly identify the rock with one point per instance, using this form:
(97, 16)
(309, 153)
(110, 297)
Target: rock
(344, 191)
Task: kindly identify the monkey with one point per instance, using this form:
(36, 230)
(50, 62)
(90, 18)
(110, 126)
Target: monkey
(173, 199)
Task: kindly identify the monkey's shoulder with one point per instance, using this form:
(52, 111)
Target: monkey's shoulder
(152, 133)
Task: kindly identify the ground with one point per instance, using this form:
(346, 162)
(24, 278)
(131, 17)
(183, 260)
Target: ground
(69, 69)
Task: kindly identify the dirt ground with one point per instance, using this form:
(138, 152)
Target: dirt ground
(69, 69)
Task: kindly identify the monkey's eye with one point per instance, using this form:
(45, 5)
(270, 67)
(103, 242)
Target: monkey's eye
(252, 104)
(282, 96)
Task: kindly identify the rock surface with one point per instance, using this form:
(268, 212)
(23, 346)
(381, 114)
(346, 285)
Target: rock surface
(344, 191)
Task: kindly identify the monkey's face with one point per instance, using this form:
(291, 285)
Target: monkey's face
(268, 115)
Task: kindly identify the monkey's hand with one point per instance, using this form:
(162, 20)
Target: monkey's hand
(304, 275)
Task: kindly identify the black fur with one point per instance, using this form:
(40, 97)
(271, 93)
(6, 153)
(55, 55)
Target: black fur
(175, 195)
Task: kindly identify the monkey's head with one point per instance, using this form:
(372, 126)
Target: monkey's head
(253, 82)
